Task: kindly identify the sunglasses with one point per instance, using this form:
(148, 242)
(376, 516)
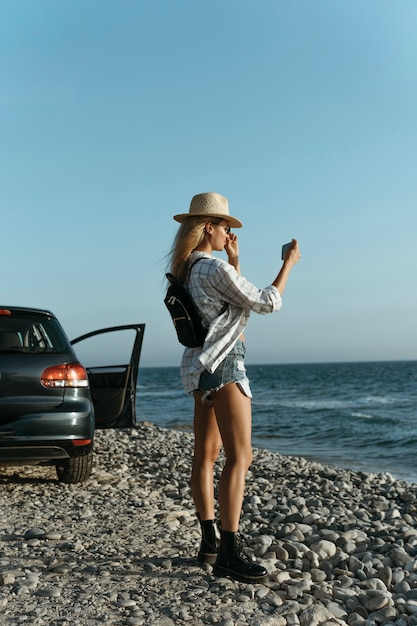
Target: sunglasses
(228, 229)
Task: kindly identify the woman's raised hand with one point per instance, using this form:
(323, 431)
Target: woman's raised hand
(232, 250)
(293, 254)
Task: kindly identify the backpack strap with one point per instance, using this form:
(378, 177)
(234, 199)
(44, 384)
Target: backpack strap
(187, 276)
(200, 258)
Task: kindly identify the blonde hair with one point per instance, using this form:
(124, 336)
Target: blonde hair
(189, 235)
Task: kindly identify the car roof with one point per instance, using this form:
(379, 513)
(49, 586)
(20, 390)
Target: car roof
(26, 310)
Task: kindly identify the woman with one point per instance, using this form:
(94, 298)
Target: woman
(215, 373)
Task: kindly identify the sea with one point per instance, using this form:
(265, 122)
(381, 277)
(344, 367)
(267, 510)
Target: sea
(359, 416)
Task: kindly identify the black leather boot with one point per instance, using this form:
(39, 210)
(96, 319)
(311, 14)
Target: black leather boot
(209, 542)
(232, 561)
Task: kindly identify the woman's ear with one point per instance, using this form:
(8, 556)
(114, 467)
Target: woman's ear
(209, 228)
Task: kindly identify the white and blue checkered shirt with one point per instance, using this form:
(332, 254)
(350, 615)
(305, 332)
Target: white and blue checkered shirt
(212, 282)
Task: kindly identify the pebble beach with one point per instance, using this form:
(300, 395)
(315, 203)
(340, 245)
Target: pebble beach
(340, 546)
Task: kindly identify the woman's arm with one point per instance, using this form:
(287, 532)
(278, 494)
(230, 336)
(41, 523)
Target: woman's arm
(238, 291)
(292, 257)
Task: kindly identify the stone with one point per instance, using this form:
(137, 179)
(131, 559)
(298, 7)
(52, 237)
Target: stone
(340, 546)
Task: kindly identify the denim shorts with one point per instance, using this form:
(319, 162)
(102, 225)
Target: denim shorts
(231, 370)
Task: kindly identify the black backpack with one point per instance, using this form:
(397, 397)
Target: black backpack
(187, 320)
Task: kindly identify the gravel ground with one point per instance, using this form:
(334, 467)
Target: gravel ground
(340, 546)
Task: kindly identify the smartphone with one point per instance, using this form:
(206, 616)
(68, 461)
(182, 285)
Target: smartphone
(285, 247)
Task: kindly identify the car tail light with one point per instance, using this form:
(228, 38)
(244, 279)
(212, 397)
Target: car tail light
(65, 375)
(5, 312)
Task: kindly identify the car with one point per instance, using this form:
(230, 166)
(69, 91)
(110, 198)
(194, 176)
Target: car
(51, 403)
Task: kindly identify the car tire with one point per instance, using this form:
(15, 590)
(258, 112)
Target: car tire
(76, 469)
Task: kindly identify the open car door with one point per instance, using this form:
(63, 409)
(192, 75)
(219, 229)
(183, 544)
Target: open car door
(113, 387)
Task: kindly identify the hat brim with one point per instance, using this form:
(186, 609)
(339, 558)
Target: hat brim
(233, 221)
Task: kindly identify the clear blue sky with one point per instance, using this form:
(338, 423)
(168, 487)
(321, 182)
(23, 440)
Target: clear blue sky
(303, 113)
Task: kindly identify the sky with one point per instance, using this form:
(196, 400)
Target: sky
(113, 114)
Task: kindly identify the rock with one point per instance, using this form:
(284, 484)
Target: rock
(324, 548)
(340, 546)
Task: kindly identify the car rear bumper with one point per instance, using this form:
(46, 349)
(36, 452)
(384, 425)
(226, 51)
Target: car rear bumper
(31, 454)
(42, 452)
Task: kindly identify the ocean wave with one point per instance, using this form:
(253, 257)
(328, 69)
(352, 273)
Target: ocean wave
(329, 403)
(159, 393)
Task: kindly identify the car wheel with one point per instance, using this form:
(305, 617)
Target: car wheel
(76, 469)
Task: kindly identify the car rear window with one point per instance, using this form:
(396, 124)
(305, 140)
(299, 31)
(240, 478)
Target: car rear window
(31, 334)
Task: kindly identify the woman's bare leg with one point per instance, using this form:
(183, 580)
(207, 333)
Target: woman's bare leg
(207, 444)
(233, 411)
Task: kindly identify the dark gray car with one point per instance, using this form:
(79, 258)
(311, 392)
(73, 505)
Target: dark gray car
(50, 402)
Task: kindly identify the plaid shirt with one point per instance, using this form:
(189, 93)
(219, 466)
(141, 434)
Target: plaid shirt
(211, 283)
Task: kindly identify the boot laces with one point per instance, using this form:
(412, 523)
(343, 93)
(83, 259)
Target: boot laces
(240, 550)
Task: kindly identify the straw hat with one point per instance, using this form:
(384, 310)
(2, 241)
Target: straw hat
(210, 205)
